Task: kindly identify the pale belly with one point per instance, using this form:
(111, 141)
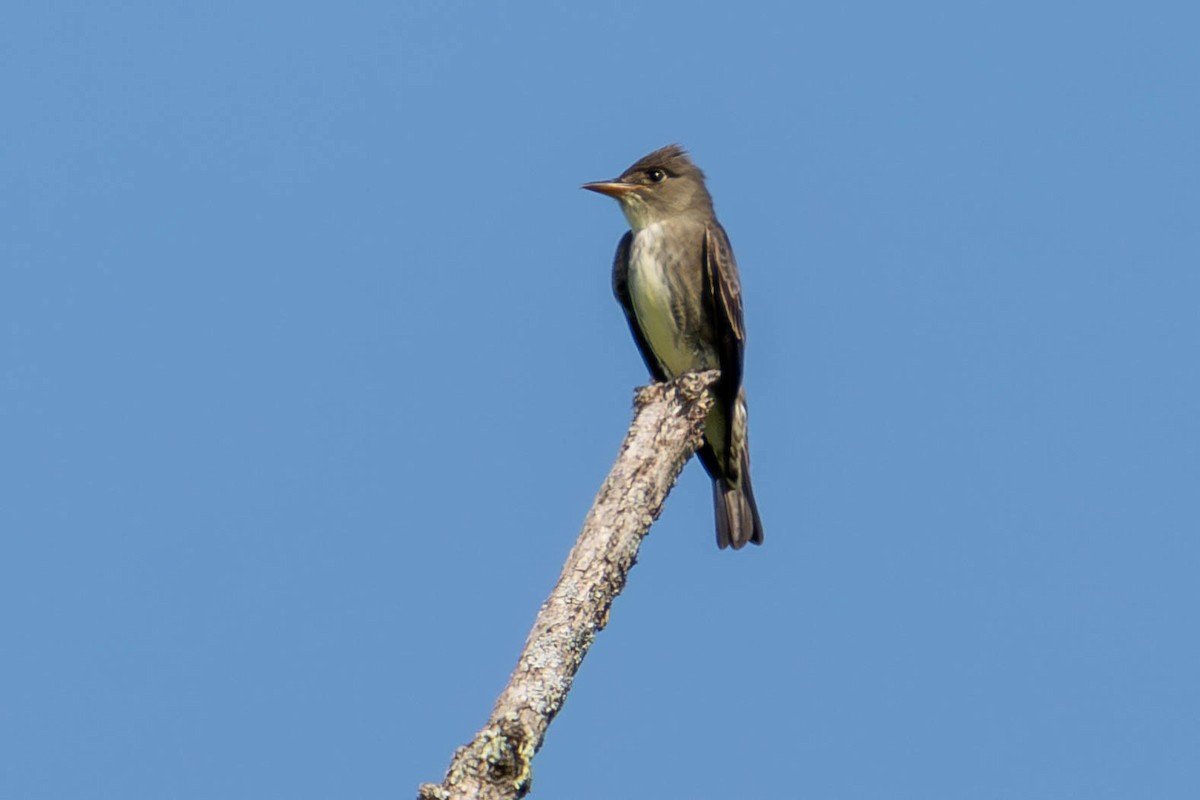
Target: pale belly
(671, 329)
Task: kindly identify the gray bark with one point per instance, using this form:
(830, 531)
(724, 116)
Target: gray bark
(665, 432)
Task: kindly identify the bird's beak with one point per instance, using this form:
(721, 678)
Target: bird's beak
(614, 189)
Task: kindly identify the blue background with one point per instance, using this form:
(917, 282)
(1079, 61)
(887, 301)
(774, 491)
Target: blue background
(310, 371)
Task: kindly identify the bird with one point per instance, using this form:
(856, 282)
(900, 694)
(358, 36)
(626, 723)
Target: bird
(676, 279)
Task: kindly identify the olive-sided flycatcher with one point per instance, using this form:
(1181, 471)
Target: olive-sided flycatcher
(676, 279)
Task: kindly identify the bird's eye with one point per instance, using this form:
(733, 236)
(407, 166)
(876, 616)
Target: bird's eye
(656, 175)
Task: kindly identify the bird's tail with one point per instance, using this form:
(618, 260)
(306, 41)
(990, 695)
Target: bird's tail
(736, 511)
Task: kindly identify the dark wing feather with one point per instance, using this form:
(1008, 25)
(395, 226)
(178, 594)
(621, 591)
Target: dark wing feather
(724, 292)
(621, 290)
(722, 278)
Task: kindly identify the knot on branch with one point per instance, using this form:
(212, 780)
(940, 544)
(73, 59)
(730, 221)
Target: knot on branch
(507, 748)
(500, 756)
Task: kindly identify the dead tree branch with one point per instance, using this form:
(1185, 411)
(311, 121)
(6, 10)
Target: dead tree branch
(665, 432)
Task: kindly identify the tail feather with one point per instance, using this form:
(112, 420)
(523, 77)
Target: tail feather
(726, 457)
(737, 513)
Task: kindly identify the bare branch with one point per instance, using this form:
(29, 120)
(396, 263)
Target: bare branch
(665, 432)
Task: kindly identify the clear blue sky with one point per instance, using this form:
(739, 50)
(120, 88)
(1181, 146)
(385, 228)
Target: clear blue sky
(309, 371)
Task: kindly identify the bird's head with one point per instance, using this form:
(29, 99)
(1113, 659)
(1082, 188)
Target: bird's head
(660, 186)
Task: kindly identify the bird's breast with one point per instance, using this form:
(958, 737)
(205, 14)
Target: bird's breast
(665, 286)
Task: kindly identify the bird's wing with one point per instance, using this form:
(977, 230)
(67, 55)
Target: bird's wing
(621, 290)
(725, 293)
